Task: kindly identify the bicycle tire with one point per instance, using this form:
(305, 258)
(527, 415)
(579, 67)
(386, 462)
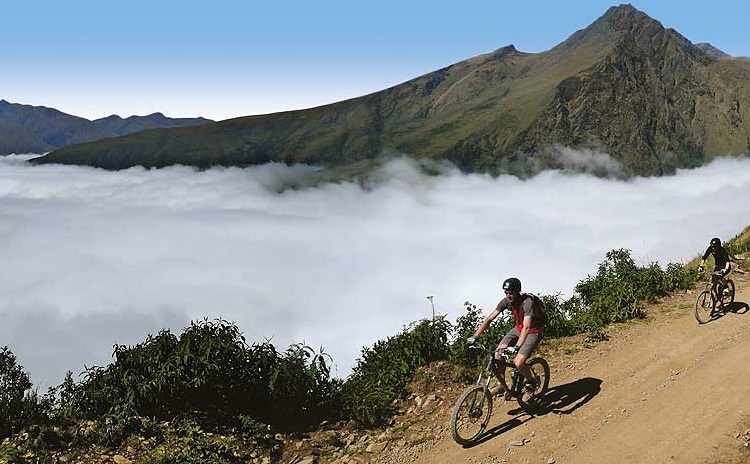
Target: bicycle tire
(704, 307)
(540, 368)
(728, 299)
(468, 422)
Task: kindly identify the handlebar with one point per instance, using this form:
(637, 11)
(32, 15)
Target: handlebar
(719, 273)
(506, 352)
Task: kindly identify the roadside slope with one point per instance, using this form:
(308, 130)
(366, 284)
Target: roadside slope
(661, 390)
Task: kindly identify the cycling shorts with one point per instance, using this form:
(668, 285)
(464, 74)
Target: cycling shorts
(529, 345)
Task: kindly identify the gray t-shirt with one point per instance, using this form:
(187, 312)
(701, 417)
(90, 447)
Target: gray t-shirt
(529, 307)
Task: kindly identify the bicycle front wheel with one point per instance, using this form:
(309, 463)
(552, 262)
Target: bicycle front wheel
(704, 307)
(540, 369)
(471, 414)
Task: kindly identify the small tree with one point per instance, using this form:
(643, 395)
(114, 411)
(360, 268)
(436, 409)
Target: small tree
(19, 404)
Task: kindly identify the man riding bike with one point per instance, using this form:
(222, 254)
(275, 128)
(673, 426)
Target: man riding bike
(722, 262)
(529, 316)
(721, 257)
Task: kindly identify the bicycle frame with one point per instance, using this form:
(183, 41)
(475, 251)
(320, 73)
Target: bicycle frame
(713, 284)
(493, 364)
(473, 409)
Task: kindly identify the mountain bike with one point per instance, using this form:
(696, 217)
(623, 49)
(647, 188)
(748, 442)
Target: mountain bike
(472, 411)
(719, 292)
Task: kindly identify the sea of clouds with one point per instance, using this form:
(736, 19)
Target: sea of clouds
(91, 258)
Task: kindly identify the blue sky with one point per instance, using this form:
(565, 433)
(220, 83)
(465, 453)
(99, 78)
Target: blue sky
(225, 59)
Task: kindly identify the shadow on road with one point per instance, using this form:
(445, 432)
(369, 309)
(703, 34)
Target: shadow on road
(736, 307)
(502, 428)
(561, 399)
(566, 398)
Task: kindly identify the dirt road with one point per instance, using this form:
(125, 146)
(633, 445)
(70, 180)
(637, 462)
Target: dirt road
(663, 390)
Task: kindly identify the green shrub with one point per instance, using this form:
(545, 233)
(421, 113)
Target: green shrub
(620, 287)
(737, 246)
(560, 315)
(467, 325)
(384, 371)
(611, 295)
(10, 454)
(208, 373)
(188, 443)
(20, 406)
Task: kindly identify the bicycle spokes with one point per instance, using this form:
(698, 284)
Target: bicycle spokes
(471, 414)
(704, 306)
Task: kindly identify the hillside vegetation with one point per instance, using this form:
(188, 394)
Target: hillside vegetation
(625, 85)
(209, 396)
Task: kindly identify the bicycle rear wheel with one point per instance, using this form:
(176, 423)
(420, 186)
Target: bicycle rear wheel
(540, 369)
(704, 307)
(727, 293)
(471, 414)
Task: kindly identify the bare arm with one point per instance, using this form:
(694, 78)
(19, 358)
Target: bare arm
(486, 322)
(524, 331)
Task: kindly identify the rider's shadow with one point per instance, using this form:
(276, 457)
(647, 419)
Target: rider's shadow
(566, 398)
(735, 307)
(562, 399)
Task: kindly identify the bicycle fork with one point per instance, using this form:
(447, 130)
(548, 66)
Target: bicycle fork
(486, 385)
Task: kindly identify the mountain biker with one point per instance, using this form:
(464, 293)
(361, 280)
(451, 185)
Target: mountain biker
(721, 257)
(529, 316)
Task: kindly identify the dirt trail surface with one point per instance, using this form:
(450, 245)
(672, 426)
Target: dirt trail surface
(662, 390)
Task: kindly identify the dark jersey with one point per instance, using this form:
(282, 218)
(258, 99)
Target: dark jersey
(529, 306)
(721, 258)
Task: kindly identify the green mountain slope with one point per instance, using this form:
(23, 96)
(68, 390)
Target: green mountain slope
(625, 85)
(38, 129)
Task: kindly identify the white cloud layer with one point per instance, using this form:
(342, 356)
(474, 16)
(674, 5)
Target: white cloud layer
(90, 258)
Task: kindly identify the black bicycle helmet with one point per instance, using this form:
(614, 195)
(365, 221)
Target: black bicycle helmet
(512, 284)
(716, 242)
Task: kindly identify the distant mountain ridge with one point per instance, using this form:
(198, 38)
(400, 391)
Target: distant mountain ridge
(38, 129)
(625, 85)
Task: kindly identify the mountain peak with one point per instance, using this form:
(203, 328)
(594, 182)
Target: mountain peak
(628, 18)
(617, 22)
(628, 24)
(712, 51)
(621, 10)
(503, 51)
